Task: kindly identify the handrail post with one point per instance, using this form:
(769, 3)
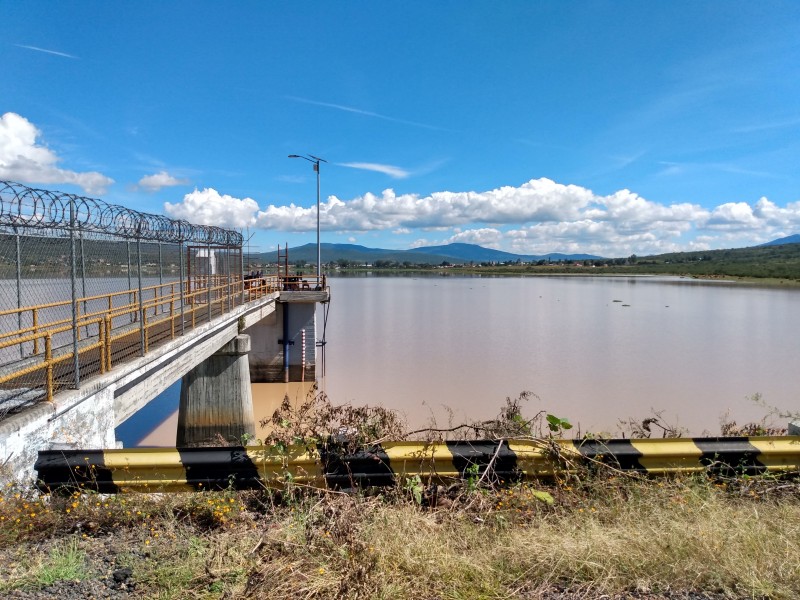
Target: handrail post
(48, 357)
(101, 329)
(146, 333)
(35, 318)
(109, 338)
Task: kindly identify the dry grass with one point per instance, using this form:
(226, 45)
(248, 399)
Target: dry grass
(739, 539)
(594, 535)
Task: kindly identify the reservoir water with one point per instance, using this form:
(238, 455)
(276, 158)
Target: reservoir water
(595, 350)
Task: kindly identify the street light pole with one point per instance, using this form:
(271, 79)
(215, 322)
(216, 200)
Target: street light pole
(315, 160)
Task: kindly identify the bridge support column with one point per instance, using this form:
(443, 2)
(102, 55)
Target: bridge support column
(216, 406)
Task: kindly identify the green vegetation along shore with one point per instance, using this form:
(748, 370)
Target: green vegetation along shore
(771, 265)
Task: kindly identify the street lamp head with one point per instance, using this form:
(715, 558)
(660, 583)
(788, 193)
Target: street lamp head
(315, 160)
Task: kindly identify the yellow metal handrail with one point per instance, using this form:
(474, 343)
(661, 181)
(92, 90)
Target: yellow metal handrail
(48, 361)
(149, 308)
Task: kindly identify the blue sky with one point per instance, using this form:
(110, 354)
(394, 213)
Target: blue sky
(534, 127)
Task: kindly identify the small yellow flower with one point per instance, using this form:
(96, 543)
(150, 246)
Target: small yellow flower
(321, 571)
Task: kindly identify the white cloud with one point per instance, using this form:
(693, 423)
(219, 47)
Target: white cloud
(536, 200)
(390, 170)
(209, 207)
(366, 113)
(23, 159)
(162, 179)
(486, 236)
(732, 216)
(46, 51)
(537, 217)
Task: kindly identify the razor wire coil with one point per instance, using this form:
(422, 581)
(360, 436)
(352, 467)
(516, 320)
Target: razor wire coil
(25, 207)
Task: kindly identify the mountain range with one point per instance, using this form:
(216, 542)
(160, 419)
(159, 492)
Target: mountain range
(792, 239)
(452, 253)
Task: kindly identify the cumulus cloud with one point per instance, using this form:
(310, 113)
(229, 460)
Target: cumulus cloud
(537, 217)
(536, 200)
(23, 159)
(162, 179)
(732, 216)
(485, 236)
(209, 207)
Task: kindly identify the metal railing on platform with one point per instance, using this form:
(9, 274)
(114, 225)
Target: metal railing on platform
(84, 283)
(108, 328)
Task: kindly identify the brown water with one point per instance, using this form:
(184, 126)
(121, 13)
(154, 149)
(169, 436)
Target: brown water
(267, 398)
(594, 350)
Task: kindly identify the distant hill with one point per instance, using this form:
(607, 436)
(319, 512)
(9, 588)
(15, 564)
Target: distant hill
(475, 253)
(453, 253)
(792, 239)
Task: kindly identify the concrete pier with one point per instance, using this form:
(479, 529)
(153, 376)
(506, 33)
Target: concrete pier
(216, 406)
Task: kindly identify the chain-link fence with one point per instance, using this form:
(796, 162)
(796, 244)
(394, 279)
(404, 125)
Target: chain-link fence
(85, 284)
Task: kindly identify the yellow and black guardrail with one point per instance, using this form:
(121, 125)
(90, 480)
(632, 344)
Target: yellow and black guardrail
(334, 466)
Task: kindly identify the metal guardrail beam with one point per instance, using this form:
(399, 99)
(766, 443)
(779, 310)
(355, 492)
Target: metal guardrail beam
(254, 467)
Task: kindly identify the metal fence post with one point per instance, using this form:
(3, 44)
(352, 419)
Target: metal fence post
(19, 288)
(141, 298)
(241, 274)
(181, 269)
(208, 280)
(130, 284)
(83, 278)
(73, 275)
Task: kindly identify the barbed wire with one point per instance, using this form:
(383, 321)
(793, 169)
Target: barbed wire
(25, 207)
